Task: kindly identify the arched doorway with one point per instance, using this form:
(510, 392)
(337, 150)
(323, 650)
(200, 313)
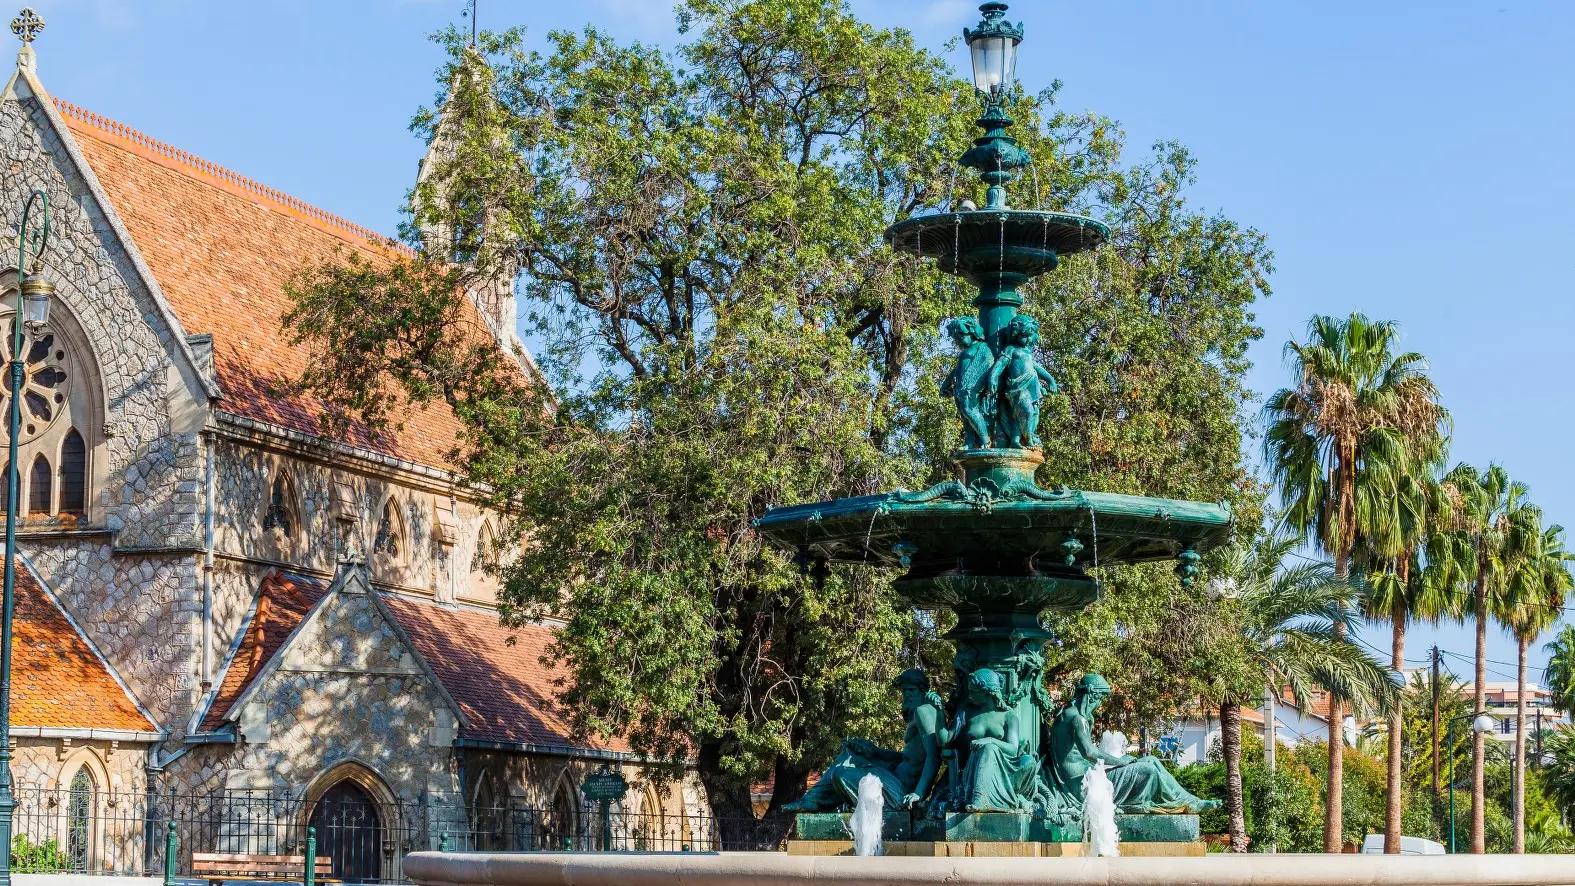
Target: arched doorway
(349, 832)
(79, 821)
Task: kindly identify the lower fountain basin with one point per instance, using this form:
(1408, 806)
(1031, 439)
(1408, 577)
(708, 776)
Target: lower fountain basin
(779, 868)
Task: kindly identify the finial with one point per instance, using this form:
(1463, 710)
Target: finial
(27, 25)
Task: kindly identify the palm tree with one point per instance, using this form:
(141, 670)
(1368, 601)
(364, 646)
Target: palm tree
(1334, 445)
(1499, 530)
(1289, 616)
(1538, 585)
(1399, 590)
(1560, 673)
(1560, 771)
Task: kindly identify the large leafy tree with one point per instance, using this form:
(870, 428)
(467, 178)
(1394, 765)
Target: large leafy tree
(1539, 584)
(1285, 618)
(696, 241)
(1337, 445)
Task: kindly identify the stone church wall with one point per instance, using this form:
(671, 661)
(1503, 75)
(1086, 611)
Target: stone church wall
(131, 588)
(346, 689)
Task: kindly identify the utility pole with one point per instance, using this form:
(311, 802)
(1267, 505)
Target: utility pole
(1435, 722)
(1539, 738)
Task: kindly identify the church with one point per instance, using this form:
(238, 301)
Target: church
(224, 617)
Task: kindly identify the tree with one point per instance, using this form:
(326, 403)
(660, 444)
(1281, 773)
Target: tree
(1398, 589)
(720, 330)
(1286, 620)
(1499, 533)
(1560, 771)
(1335, 446)
(1560, 673)
(1539, 583)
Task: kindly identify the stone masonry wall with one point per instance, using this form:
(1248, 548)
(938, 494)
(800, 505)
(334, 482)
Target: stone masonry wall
(146, 462)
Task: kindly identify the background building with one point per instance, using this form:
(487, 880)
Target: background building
(218, 600)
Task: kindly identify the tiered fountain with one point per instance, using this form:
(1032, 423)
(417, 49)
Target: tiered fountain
(990, 765)
(992, 771)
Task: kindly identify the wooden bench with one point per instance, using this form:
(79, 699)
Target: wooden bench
(216, 867)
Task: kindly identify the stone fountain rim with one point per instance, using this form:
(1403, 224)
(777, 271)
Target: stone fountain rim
(778, 868)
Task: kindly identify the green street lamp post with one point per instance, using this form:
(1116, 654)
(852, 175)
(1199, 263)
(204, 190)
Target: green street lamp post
(32, 309)
(1483, 723)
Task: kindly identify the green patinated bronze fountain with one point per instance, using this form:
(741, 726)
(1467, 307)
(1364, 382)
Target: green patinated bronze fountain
(995, 762)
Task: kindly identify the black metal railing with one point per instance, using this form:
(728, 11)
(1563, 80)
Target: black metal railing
(61, 831)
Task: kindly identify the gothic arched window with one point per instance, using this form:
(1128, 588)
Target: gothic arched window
(389, 540)
(79, 821)
(281, 507)
(73, 474)
(60, 418)
(486, 555)
(40, 487)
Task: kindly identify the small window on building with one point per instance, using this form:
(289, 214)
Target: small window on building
(389, 539)
(281, 507)
(40, 487)
(486, 556)
(73, 474)
(79, 821)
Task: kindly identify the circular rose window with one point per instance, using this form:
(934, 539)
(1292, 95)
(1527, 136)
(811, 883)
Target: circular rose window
(45, 383)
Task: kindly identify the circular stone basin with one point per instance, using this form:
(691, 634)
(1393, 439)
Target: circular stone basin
(987, 244)
(781, 869)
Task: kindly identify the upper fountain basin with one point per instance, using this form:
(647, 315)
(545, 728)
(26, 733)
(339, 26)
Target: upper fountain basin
(992, 246)
(1105, 528)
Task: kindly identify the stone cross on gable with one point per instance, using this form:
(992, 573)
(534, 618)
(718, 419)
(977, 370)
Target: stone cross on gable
(27, 25)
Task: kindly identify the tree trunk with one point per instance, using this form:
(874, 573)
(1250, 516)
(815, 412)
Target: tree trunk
(1519, 800)
(735, 825)
(1394, 800)
(1478, 739)
(1334, 804)
(1230, 744)
(1334, 783)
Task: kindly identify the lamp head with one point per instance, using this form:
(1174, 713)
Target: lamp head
(1483, 723)
(993, 48)
(33, 305)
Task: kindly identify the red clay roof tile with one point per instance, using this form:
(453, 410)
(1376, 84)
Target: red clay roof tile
(57, 681)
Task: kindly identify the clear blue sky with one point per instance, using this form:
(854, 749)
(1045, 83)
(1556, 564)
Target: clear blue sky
(1409, 159)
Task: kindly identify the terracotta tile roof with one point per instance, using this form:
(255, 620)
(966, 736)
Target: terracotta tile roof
(503, 690)
(57, 681)
(495, 674)
(222, 247)
(282, 603)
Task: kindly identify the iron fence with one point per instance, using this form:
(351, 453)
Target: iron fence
(85, 831)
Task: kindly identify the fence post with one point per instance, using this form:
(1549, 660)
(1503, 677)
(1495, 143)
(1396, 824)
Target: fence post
(309, 877)
(443, 842)
(171, 844)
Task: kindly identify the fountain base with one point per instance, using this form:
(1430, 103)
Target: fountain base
(994, 827)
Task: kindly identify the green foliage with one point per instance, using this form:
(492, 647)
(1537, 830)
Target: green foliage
(43, 857)
(1560, 673)
(1283, 809)
(696, 238)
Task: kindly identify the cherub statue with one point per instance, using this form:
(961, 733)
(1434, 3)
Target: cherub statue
(967, 380)
(1015, 385)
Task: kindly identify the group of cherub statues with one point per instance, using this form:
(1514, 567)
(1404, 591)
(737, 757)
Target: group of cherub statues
(980, 760)
(998, 394)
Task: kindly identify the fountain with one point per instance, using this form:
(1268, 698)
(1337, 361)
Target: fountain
(998, 549)
(994, 772)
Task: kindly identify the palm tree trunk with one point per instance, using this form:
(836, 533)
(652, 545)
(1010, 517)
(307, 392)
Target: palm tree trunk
(1478, 739)
(1394, 807)
(1519, 801)
(1334, 804)
(1230, 743)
